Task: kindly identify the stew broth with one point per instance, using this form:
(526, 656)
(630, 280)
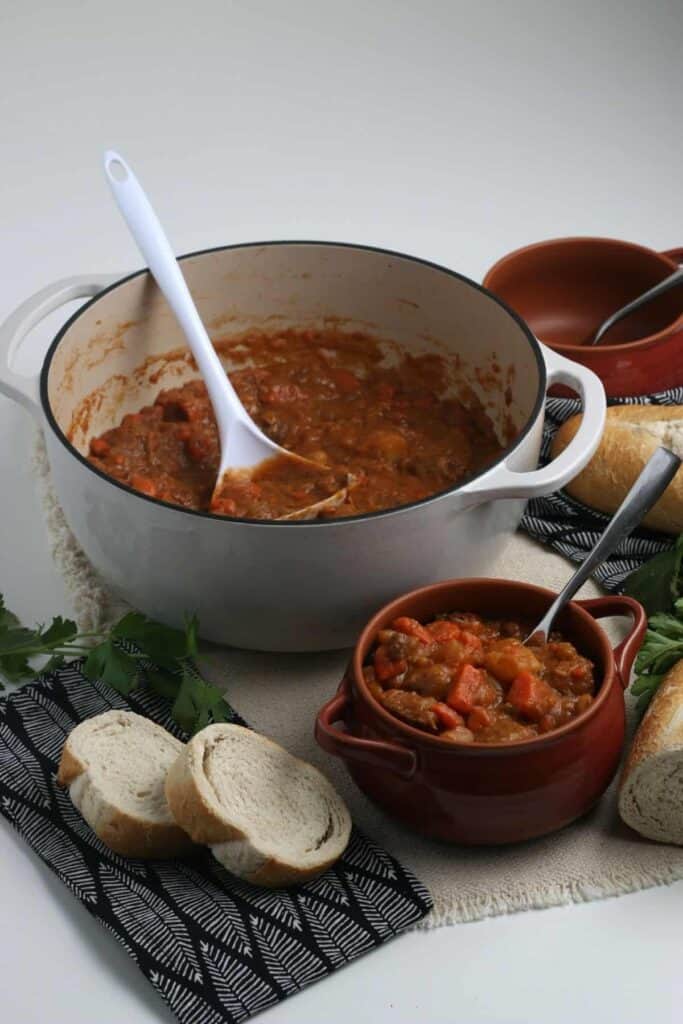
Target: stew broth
(396, 430)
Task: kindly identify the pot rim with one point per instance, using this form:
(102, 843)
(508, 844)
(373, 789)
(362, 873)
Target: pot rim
(422, 739)
(572, 351)
(316, 523)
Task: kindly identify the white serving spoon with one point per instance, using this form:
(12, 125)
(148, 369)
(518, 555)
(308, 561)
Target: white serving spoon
(243, 444)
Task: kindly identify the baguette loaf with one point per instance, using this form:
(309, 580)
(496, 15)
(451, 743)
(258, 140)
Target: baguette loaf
(651, 789)
(115, 767)
(632, 433)
(268, 817)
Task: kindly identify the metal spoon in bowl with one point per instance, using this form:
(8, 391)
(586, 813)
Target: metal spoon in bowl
(656, 476)
(243, 445)
(669, 282)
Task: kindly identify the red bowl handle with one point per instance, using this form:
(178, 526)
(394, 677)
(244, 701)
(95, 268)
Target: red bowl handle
(674, 254)
(375, 753)
(619, 604)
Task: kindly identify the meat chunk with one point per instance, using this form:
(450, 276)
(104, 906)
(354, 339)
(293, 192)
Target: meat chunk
(412, 708)
(567, 670)
(430, 680)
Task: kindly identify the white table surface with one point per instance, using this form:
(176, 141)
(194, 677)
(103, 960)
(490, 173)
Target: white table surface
(455, 131)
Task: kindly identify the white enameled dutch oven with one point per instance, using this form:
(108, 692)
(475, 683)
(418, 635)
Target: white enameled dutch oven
(296, 586)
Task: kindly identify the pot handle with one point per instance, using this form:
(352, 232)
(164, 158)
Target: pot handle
(618, 604)
(21, 388)
(507, 483)
(674, 254)
(374, 753)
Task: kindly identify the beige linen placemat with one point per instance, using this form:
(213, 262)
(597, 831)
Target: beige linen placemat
(279, 695)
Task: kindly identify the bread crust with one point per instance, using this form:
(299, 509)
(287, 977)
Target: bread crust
(660, 733)
(190, 805)
(188, 795)
(621, 455)
(121, 831)
(126, 836)
(662, 726)
(70, 766)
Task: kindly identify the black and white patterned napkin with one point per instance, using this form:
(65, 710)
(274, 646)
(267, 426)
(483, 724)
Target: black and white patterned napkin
(571, 528)
(217, 950)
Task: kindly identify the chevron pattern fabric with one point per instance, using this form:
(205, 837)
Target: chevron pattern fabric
(571, 528)
(215, 948)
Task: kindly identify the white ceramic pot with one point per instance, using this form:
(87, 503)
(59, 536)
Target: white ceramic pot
(298, 586)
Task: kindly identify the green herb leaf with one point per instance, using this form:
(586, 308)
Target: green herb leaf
(191, 630)
(14, 667)
(19, 639)
(53, 663)
(198, 703)
(113, 666)
(644, 700)
(166, 684)
(658, 583)
(643, 684)
(161, 644)
(8, 619)
(59, 632)
(165, 661)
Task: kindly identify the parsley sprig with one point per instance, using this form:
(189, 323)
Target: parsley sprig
(658, 585)
(137, 651)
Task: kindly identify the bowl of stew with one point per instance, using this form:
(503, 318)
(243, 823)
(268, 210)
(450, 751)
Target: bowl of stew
(403, 375)
(455, 726)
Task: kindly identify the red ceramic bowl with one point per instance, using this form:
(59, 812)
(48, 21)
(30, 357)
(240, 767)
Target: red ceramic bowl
(566, 288)
(482, 793)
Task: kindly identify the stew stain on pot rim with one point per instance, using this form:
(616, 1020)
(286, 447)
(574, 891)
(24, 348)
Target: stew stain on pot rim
(291, 524)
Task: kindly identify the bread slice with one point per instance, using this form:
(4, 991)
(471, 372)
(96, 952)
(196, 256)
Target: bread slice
(651, 789)
(115, 766)
(268, 817)
(632, 433)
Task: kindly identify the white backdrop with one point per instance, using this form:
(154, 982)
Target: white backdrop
(455, 131)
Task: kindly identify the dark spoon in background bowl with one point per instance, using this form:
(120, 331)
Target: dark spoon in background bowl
(631, 307)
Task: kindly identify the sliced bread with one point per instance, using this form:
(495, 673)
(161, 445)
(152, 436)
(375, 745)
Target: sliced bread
(632, 435)
(268, 817)
(115, 767)
(651, 790)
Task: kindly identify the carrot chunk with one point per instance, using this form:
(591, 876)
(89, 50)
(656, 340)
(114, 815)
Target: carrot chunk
(345, 380)
(471, 688)
(143, 484)
(411, 627)
(447, 717)
(99, 447)
(532, 697)
(385, 668)
(479, 718)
